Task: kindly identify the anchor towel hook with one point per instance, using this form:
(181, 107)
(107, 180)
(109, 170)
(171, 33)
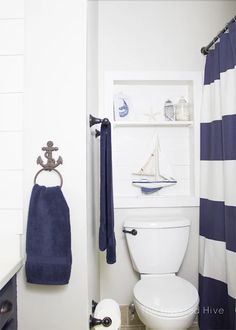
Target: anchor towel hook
(51, 163)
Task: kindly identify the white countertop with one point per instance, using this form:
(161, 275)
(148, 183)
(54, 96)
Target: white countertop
(8, 268)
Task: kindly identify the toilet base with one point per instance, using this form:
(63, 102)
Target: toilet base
(154, 322)
(158, 329)
(165, 328)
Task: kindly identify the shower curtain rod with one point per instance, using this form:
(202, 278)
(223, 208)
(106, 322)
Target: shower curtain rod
(205, 50)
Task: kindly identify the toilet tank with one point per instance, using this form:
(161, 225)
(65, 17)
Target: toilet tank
(160, 244)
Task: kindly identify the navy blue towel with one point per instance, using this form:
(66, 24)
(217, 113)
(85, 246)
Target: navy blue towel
(48, 239)
(107, 239)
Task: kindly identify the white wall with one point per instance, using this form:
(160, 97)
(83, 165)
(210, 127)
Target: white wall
(11, 104)
(92, 150)
(154, 35)
(160, 35)
(55, 109)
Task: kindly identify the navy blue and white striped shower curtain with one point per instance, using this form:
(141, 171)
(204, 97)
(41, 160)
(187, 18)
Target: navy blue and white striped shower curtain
(217, 278)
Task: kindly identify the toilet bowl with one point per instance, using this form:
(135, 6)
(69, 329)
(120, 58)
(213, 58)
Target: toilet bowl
(166, 302)
(163, 300)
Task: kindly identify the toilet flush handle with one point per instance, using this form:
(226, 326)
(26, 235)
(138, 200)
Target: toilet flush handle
(132, 232)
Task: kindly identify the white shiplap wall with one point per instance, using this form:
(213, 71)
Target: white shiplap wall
(11, 112)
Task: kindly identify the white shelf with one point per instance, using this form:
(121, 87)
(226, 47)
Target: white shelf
(149, 124)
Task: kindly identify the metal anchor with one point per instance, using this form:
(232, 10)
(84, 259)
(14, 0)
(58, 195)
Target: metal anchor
(51, 163)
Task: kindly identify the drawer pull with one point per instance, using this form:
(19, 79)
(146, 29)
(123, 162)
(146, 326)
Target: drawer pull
(5, 307)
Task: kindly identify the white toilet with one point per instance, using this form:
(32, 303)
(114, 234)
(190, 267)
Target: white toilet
(163, 300)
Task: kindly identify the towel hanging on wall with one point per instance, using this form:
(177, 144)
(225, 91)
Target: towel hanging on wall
(107, 239)
(48, 238)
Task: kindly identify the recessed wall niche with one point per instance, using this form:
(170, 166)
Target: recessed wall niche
(134, 102)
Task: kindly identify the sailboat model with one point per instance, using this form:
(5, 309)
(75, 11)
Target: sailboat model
(156, 172)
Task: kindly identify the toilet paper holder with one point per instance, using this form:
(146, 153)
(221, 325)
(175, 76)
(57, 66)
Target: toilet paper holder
(93, 321)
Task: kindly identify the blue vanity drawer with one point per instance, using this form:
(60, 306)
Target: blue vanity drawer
(8, 306)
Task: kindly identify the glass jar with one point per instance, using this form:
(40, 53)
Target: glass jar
(169, 111)
(182, 112)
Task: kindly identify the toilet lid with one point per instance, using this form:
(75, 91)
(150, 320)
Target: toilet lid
(166, 294)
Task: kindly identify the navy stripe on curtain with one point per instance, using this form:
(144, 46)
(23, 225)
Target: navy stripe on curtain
(216, 306)
(214, 135)
(222, 58)
(224, 219)
(217, 266)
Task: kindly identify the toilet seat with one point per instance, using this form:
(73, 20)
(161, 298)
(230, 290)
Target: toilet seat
(167, 296)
